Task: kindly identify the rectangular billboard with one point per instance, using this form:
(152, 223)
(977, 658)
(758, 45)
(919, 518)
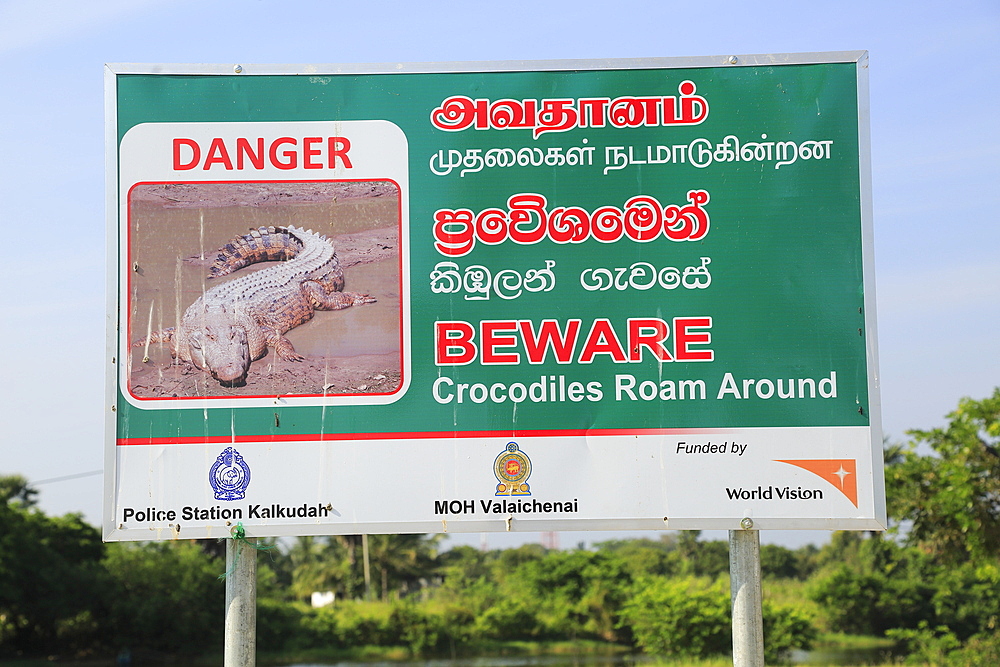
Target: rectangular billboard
(469, 297)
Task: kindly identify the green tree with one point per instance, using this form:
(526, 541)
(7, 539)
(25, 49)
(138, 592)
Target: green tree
(691, 617)
(509, 561)
(165, 596)
(348, 549)
(702, 559)
(469, 584)
(401, 561)
(576, 592)
(869, 586)
(950, 501)
(644, 556)
(314, 566)
(463, 565)
(680, 617)
(967, 599)
(15, 490)
(779, 562)
(49, 574)
(806, 560)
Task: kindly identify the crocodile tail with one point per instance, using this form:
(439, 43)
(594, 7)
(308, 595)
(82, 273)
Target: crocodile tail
(264, 244)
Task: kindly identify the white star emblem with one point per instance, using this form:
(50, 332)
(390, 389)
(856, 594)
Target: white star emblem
(841, 473)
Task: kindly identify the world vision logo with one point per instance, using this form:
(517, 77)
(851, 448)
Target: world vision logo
(841, 473)
(512, 468)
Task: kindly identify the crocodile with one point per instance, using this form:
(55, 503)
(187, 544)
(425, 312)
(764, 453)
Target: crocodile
(233, 324)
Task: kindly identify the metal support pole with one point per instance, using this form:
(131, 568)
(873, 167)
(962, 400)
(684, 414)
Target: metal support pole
(241, 604)
(368, 571)
(744, 576)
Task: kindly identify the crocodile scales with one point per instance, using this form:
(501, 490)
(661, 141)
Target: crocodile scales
(234, 324)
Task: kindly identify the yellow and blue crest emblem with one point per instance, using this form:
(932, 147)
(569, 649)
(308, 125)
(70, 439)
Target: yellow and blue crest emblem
(512, 468)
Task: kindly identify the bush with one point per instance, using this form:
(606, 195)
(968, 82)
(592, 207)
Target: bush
(939, 646)
(348, 624)
(165, 596)
(279, 625)
(785, 628)
(967, 599)
(981, 649)
(421, 632)
(355, 624)
(924, 645)
(691, 617)
(460, 624)
(871, 601)
(509, 620)
(683, 617)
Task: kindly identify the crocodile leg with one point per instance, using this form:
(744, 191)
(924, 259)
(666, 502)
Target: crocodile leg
(165, 336)
(322, 299)
(332, 281)
(282, 346)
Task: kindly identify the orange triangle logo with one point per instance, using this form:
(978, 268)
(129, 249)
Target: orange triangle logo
(842, 473)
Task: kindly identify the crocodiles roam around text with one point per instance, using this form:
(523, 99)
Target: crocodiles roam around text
(233, 324)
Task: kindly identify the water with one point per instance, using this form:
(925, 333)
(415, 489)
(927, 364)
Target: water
(619, 660)
(877, 655)
(825, 656)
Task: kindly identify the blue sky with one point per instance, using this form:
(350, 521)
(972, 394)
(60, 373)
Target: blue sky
(934, 75)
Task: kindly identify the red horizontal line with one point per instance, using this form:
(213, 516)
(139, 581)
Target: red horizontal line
(241, 397)
(421, 435)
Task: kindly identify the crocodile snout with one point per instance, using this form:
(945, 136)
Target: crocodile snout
(231, 375)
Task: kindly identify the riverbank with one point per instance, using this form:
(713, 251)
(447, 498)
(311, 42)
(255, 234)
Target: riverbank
(831, 650)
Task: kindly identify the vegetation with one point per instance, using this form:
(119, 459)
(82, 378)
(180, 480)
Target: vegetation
(932, 585)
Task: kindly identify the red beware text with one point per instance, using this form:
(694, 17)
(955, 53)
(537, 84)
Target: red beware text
(504, 342)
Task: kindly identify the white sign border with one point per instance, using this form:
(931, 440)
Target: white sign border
(876, 522)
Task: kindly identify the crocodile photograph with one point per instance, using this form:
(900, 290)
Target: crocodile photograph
(235, 323)
(233, 335)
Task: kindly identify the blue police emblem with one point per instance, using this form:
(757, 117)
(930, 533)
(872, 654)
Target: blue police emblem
(229, 475)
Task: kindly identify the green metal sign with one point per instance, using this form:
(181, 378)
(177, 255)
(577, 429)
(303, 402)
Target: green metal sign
(494, 296)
